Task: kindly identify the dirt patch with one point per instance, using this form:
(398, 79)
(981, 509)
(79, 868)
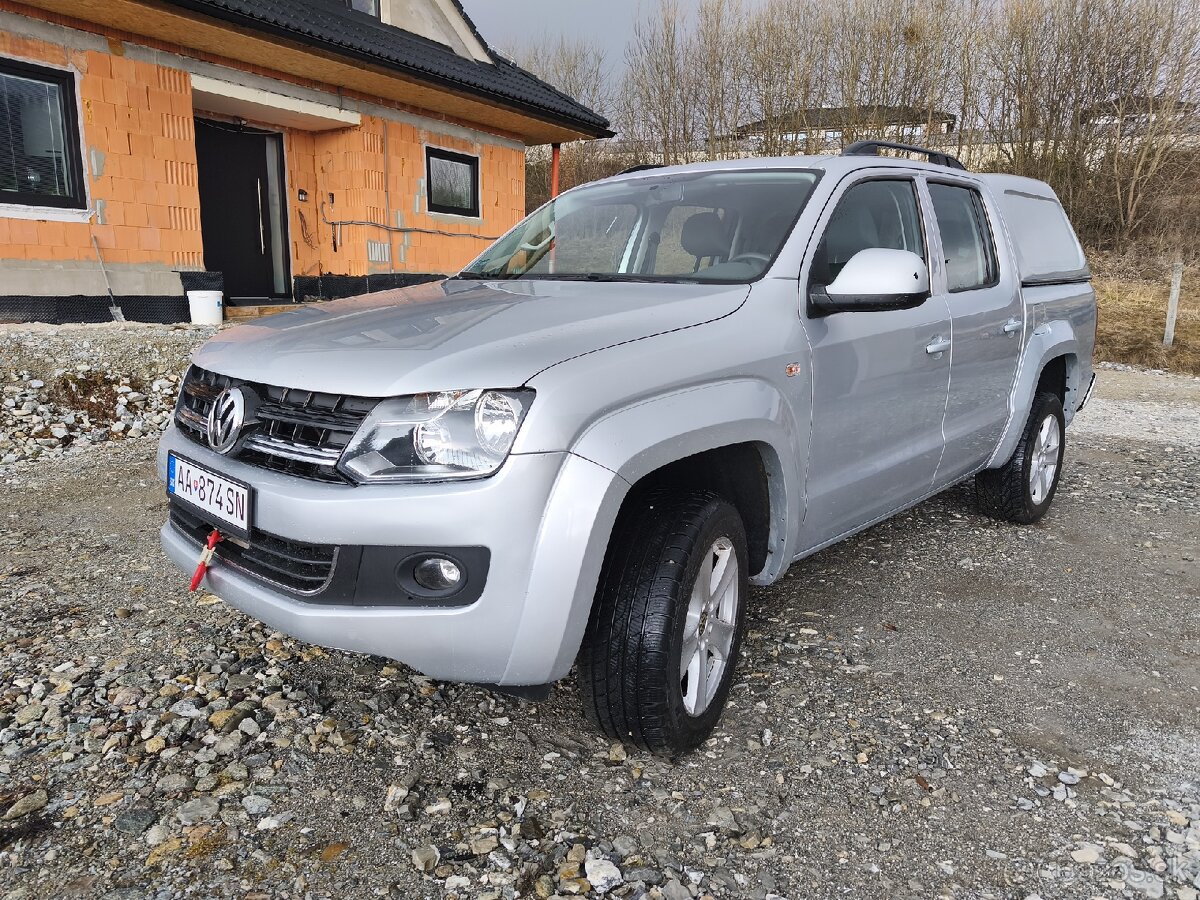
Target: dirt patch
(95, 394)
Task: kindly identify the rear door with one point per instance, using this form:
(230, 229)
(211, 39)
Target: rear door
(987, 323)
(878, 391)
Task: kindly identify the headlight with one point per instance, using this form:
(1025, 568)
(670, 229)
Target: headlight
(436, 437)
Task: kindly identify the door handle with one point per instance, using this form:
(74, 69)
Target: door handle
(262, 228)
(1012, 326)
(939, 346)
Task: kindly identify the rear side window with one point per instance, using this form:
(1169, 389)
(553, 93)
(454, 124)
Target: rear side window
(967, 241)
(870, 214)
(1047, 250)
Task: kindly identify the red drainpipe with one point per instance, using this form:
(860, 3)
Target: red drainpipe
(555, 161)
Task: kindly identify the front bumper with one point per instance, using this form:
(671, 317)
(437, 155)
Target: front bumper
(545, 518)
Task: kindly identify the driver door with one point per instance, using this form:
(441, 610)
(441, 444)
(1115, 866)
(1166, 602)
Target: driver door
(879, 381)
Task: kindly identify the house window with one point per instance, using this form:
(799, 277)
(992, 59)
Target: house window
(452, 182)
(370, 7)
(40, 159)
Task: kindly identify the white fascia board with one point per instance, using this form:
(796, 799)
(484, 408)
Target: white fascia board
(254, 105)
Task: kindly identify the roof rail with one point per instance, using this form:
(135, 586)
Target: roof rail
(872, 148)
(645, 167)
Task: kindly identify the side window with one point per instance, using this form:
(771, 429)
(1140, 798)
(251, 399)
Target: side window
(40, 162)
(966, 237)
(870, 214)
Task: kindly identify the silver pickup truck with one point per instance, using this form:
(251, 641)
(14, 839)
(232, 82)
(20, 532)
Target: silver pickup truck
(655, 391)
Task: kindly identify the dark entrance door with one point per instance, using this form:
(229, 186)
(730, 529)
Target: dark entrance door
(242, 210)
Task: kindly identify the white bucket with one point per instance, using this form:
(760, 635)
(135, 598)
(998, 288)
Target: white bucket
(206, 307)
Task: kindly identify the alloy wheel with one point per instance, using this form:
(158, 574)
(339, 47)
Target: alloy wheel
(708, 631)
(1044, 466)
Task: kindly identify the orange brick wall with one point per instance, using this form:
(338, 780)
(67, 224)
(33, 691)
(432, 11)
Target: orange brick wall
(139, 116)
(377, 174)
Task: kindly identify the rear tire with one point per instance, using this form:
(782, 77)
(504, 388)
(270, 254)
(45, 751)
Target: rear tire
(658, 657)
(1022, 490)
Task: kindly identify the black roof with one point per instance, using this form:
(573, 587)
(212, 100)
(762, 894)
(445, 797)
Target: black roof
(331, 25)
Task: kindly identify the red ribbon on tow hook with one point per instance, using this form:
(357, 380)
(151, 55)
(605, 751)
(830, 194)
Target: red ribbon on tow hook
(206, 558)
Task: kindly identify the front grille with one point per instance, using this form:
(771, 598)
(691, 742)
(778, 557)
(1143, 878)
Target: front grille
(299, 567)
(301, 433)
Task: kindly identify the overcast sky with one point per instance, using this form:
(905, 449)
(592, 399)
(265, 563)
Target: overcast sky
(510, 23)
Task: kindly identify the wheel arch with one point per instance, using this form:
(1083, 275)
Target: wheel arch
(679, 437)
(1062, 376)
(1050, 363)
(742, 474)
(737, 438)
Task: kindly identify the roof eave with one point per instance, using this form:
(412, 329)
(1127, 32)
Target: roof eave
(583, 128)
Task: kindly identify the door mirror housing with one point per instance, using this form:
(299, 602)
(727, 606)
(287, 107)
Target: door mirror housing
(874, 280)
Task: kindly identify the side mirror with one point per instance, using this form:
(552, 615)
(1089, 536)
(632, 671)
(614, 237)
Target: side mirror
(874, 280)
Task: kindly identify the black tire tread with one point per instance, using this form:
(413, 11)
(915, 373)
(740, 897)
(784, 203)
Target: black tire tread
(626, 647)
(1003, 493)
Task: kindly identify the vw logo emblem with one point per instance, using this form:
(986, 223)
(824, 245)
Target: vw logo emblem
(225, 420)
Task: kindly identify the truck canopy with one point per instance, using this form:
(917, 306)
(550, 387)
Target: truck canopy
(1047, 249)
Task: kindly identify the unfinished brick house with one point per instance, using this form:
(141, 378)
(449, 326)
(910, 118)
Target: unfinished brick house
(275, 149)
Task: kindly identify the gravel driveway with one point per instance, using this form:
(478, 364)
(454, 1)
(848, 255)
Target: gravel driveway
(942, 706)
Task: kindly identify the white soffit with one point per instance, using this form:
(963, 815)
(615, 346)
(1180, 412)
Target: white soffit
(227, 99)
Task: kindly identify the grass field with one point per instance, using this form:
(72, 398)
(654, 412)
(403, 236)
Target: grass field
(1133, 316)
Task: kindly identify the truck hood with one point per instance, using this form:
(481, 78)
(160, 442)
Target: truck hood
(454, 334)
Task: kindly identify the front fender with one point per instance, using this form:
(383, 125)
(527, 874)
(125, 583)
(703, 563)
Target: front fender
(639, 439)
(609, 456)
(569, 550)
(1048, 341)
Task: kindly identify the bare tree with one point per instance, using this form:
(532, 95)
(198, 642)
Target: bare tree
(719, 79)
(575, 66)
(658, 101)
(785, 78)
(1152, 112)
(1101, 98)
(891, 66)
(1095, 97)
(1043, 64)
(579, 69)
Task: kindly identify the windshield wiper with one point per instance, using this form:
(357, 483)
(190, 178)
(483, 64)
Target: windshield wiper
(483, 276)
(586, 276)
(580, 276)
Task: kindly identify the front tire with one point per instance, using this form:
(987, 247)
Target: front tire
(1021, 491)
(658, 657)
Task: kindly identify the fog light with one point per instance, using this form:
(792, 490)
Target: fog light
(437, 574)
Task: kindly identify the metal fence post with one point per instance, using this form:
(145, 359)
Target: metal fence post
(1173, 303)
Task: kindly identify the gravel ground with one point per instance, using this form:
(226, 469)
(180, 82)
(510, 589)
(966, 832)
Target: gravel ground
(65, 388)
(942, 706)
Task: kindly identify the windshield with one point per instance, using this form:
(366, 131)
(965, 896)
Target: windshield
(720, 227)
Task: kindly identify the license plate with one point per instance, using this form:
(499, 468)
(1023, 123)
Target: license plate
(221, 500)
